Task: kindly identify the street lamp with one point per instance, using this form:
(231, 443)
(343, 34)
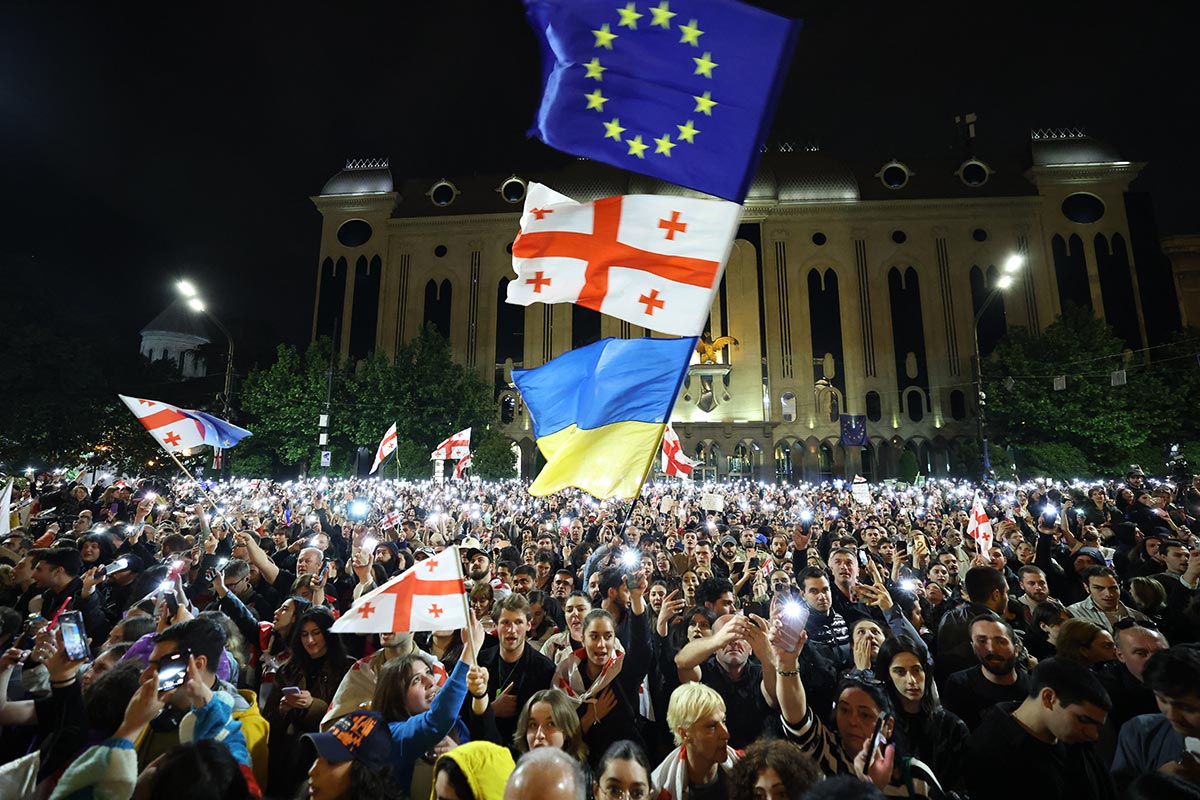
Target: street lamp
(1012, 265)
(188, 290)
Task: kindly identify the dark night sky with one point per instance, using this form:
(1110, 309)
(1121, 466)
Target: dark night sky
(186, 139)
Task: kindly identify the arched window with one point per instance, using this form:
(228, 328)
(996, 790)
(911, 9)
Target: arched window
(915, 405)
(510, 327)
(874, 407)
(958, 405)
(788, 406)
(706, 453)
(741, 463)
(825, 461)
(437, 306)
(783, 462)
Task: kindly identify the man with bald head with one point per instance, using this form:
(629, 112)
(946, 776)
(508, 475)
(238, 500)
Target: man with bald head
(546, 773)
(308, 562)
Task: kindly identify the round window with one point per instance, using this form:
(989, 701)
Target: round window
(354, 233)
(513, 190)
(973, 173)
(899, 237)
(1083, 208)
(440, 251)
(819, 239)
(894, 175)
(979, 235)
(443, 193)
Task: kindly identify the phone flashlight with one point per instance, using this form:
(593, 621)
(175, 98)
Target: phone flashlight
(806, 515)
(369, 544)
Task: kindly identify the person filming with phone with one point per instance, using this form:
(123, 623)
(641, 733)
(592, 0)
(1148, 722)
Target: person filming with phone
(203, 641)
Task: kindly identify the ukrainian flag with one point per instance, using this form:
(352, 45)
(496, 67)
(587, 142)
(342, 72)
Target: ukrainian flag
(599, 412)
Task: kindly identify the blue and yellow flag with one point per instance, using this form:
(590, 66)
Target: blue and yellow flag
(599, 412)
(682, 90)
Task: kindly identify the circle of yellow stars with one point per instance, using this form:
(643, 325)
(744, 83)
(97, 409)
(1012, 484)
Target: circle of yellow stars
(661, 16)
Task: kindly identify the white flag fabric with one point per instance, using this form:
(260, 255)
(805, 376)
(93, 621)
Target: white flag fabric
(651, 260)
(674, 462)
(463, 465)
(386, 447)
(979, 527)
(170, 427)
(430, 596)
(455, 448)
(5, 502)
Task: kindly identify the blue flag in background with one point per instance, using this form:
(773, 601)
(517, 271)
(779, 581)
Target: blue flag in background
(218, 432)
(854, 430)
(682, 90)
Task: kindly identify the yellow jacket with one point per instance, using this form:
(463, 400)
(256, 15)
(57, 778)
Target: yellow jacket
(486, 765)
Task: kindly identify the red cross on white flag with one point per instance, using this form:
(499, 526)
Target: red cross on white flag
(979, 527)
(171, 428)
(463, 465)
(386, 447)
(652, 260)
(430, 596)
(674, 462)
(390, 520)
(456, 447)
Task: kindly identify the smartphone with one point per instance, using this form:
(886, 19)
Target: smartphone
(172, 670)
(74, 636)
(862, 558)
(172, 604)
(792, 615)
(874, 741)
(324, 570)
(290, 690)
(116, 566)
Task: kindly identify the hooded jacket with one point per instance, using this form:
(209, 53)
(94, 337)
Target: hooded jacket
(486, 765)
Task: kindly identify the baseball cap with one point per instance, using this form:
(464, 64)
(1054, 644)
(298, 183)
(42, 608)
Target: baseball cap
(470, 545)
(360, 736)
(728, 540)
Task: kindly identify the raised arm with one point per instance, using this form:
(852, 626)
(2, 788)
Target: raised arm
(789, 689)
(266, 567)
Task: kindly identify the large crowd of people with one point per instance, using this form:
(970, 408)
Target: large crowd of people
(732, 640)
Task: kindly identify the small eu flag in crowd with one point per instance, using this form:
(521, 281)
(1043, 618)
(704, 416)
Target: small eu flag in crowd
(682, 90)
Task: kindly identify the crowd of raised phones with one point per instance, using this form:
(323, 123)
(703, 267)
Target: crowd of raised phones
(727, 640)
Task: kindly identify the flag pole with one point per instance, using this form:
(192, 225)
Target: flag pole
(470, 643)
(199, 486)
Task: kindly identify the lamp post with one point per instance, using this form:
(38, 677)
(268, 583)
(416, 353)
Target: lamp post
(1012, 266)
(194, 301)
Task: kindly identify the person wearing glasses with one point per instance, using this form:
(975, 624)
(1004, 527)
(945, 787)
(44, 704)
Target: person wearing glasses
(624, 773)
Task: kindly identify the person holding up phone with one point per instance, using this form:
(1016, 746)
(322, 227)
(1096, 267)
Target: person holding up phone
(857, 743)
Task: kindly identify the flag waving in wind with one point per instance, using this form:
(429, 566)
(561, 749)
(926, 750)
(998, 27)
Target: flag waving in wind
(979, 527)
(386, 448)
(650, 260)
(683, 91)
(456, 447)
(599, 412)
(674, 462)
(177, 429)
(430, 596)
(463, 465)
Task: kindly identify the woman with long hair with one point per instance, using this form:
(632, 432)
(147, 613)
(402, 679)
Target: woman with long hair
(604, 681)
(549, 719)
(1084, 642)
(307, 683)
(1045, 622)
(923, 729)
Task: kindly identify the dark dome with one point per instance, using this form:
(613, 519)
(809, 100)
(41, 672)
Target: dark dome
(363, 176)
(1070, 147)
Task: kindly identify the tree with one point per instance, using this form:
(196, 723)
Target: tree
(493, 458)
(424, 392)
(1091, 427)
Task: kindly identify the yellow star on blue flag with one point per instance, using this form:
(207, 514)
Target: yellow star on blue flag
(721, 60)
(599, 412)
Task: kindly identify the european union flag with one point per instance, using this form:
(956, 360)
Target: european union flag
(854, 430)
(218, 432)
(683, 90)
(599, 412)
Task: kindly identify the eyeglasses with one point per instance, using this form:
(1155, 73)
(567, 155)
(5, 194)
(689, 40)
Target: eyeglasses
(636, 793)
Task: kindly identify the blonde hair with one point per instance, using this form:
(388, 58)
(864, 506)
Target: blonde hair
(689, 703)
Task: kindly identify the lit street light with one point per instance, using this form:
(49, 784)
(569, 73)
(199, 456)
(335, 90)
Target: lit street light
(1012, 265)
(188, 290)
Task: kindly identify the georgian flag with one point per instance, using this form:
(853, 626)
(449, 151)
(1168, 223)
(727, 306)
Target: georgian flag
(674, 462)
(463, 465)
(430, 596)
(651, 260)
(456, 447)
(390, 520)
(386, 448)
(979, 527)
(173, 429)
